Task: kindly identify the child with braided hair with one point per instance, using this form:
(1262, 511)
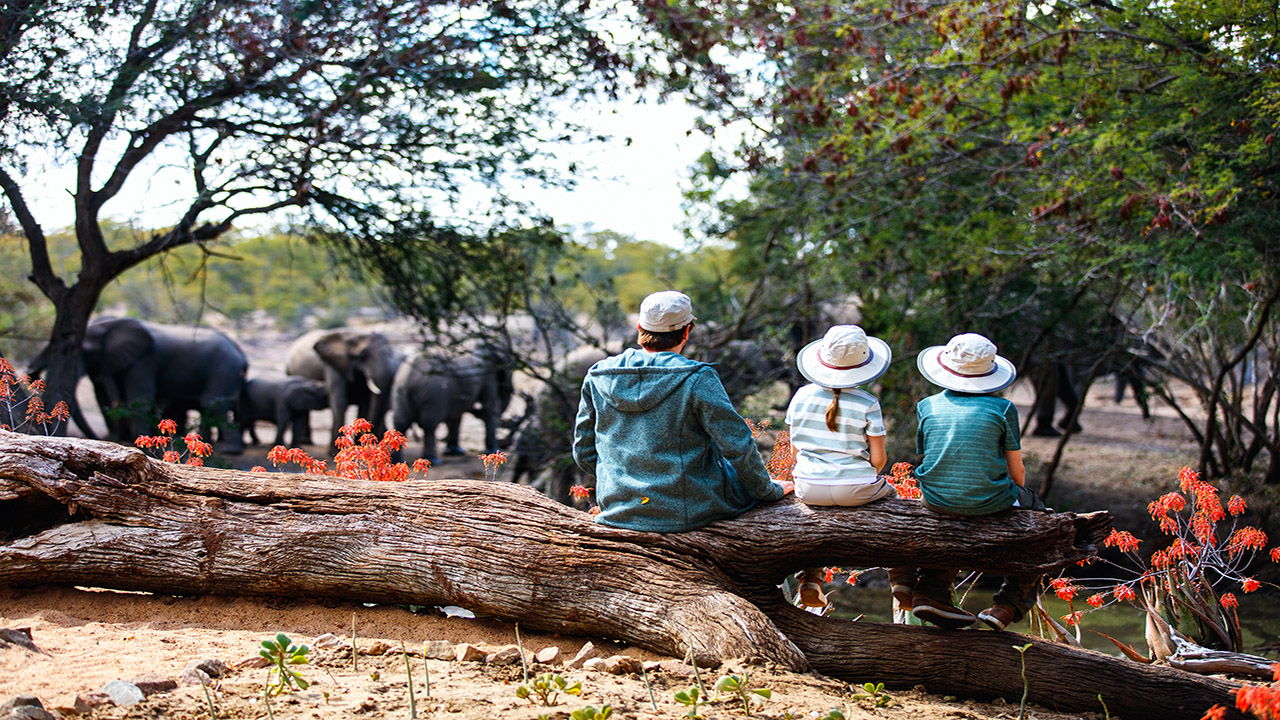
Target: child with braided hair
(837, 429)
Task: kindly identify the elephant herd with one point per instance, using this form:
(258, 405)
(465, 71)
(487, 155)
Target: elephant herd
(143, 371)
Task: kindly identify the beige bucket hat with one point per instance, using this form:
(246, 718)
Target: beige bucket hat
(845, 357)
(967, 363)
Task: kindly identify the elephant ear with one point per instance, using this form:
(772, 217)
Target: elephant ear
(338, 351)
(125, 342)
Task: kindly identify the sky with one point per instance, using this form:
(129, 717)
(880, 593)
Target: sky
(633, 188)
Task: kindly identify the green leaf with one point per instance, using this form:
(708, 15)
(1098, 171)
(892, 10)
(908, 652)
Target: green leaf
(763, 692)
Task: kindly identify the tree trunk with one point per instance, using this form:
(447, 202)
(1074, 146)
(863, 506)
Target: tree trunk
(90, 511)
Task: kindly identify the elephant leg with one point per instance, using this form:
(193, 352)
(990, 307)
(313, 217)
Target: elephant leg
(1046, 402)
(1070, 398)
(301, 428)
(282, 419)
(453, 428)
(429, 426)
(338, 401)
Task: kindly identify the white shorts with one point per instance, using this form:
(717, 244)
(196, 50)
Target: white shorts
(843, 495)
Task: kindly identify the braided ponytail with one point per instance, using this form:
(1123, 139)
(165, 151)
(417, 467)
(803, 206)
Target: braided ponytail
(833, 410)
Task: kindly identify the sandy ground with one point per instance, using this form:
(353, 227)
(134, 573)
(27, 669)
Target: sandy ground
(86, 638)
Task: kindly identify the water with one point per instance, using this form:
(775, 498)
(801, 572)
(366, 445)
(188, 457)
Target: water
(1259, 617)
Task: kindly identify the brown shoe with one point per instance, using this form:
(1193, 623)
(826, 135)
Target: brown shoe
(939, 613)
(999, 616)
(811, 595)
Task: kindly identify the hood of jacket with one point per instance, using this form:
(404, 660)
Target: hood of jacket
(637, 380)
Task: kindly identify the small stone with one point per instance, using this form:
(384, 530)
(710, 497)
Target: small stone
(122, 693)
(587, 652)
(377, 647)
(214, 667)
(508, 655)
(594, 664)
(465, 652)
(31, 712)
(328, 641)
(194, 677)
(20, 701)
(251, 662)
(622, 665)
(152, 684)
(88, 702)
(438, 650)
(675, 668)
(549, 656)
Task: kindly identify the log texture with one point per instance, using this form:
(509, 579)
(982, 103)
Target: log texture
(81, 512)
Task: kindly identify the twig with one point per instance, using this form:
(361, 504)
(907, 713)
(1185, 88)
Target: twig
(523, 665)
(648, 687)
(408, 673)
(213, 713)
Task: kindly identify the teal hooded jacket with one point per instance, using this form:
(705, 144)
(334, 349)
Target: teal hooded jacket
(666, 448)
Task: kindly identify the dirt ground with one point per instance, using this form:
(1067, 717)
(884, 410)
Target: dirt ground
(86, 638)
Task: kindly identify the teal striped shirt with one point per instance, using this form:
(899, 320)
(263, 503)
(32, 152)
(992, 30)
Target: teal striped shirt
(963, 438)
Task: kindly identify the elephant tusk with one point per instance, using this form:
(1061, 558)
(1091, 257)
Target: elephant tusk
(372, 388)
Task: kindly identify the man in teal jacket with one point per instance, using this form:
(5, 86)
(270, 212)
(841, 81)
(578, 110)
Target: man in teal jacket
(660, 436)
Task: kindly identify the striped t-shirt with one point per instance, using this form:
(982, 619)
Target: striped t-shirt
(963, 438)
(833, 458)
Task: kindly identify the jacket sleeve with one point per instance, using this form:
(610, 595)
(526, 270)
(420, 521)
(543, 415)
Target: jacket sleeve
(584, 435)
(733, 438)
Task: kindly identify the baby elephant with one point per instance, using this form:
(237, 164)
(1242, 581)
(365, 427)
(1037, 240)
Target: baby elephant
(284, 401)
(430, 390)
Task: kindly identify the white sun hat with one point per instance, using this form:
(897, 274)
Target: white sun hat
(666, 311)
(845, 357)
(967, 363)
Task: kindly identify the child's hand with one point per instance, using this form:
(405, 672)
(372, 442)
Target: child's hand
(788, 487)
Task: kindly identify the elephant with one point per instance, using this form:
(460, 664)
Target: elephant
(430, 389)
(143, 366)
(286, 401)
(357, 367)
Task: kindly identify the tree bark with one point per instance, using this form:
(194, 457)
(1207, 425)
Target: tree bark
(81, 512)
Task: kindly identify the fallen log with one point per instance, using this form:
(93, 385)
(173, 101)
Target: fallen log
(81, 512)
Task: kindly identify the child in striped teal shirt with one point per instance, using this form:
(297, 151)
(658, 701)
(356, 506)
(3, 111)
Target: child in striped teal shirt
(972, 465)
(837, 430)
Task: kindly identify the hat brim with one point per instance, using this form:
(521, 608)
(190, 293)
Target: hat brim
(815, 372)
(929, 363)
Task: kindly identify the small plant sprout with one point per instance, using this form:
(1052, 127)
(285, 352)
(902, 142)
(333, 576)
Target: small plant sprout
(834, 713)
(524, 664)
(408, 672)
(1022, 704)
(213, 713)
(875, 694)
(738, 686)
(590, 713)
(547, 688)
(283, 654)
(426, 672)
(691, 699)
(647, 686)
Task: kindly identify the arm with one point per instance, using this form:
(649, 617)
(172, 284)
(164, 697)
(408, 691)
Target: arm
(1017, 473)
(732, 437)
(878, 457)
(584, 435)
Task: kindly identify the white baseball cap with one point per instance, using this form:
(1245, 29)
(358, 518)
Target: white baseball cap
(967, 363)
(666, 311)
(845, 357)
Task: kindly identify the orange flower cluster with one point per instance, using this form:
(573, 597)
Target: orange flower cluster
(903, 481)
(492, 462)
(783, 458)
(196, 449)
(1261, 700)
(757, 428)
(1122, 539)
(17, 389)
(1064, 588)
(361, 456)
(580, 492)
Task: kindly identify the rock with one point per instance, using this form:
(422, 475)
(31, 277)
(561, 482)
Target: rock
(30, 712)
(465, 652)
(377, 647)
(508, 655)
(549, 656)
(329, 641)
(622, 665)
(675, 668)
(438, 650)
(587, 652)
(86, 703)
(152, 684)
(594, 664)
(214, 667)
(20, 701)
(123, 694)
(251, 662)
(18, 636)
(193, 676)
